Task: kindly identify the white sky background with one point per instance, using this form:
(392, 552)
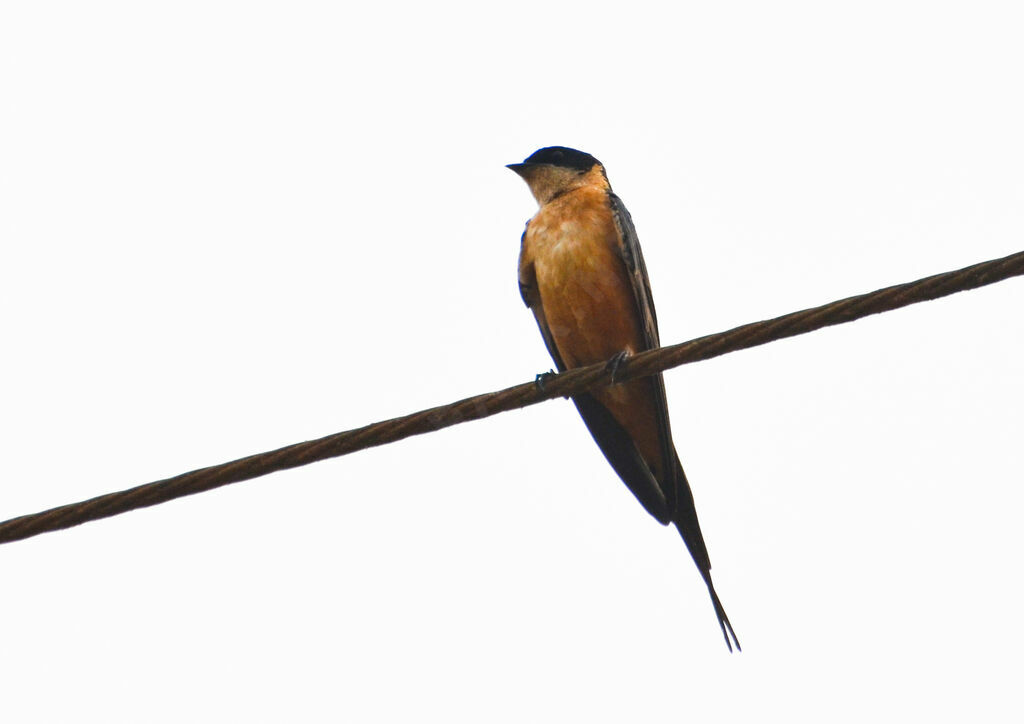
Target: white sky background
(227, 227)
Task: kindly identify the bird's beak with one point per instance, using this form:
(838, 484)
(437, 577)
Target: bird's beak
(519, 168)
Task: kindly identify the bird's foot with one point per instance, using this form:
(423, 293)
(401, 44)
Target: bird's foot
(543, 378)
(615, 364)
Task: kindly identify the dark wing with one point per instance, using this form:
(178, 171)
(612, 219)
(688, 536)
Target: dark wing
(622, 454)
(634, 260)
(677, 489)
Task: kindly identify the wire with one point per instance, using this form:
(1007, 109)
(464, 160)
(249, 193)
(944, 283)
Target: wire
(565, 384)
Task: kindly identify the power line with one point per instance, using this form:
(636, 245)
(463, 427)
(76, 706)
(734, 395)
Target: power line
(565, 384)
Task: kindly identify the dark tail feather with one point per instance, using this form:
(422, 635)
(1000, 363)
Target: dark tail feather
(695, 544)
(723, 618)
(689, 528)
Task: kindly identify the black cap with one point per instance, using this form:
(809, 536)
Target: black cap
(559, 156)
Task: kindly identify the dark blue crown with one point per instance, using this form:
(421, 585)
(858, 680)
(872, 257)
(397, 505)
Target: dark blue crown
(563, 157)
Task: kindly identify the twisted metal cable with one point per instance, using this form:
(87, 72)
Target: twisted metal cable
(565, 384)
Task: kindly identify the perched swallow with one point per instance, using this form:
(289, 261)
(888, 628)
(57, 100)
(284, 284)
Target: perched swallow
(583, 276)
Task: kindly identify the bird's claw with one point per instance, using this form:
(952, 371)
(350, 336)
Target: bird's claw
(543, 378)
(615, 364)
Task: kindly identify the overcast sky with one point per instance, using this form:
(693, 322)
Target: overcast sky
(227, 227)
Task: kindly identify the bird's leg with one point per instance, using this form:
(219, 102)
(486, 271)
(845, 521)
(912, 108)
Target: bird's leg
(543, 378)
(615, 363)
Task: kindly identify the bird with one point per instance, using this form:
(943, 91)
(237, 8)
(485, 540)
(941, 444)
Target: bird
(583, 276)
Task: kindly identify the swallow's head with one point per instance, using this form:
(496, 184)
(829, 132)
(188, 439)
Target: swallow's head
(555, 170)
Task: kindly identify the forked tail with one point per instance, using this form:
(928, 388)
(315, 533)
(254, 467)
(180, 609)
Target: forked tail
(723, 617)
(689, 529)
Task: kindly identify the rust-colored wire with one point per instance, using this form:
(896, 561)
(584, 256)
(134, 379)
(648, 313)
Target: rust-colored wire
(473, 408)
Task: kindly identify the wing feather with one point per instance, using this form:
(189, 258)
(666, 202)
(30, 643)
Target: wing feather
(679, 497)
(634, 260)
